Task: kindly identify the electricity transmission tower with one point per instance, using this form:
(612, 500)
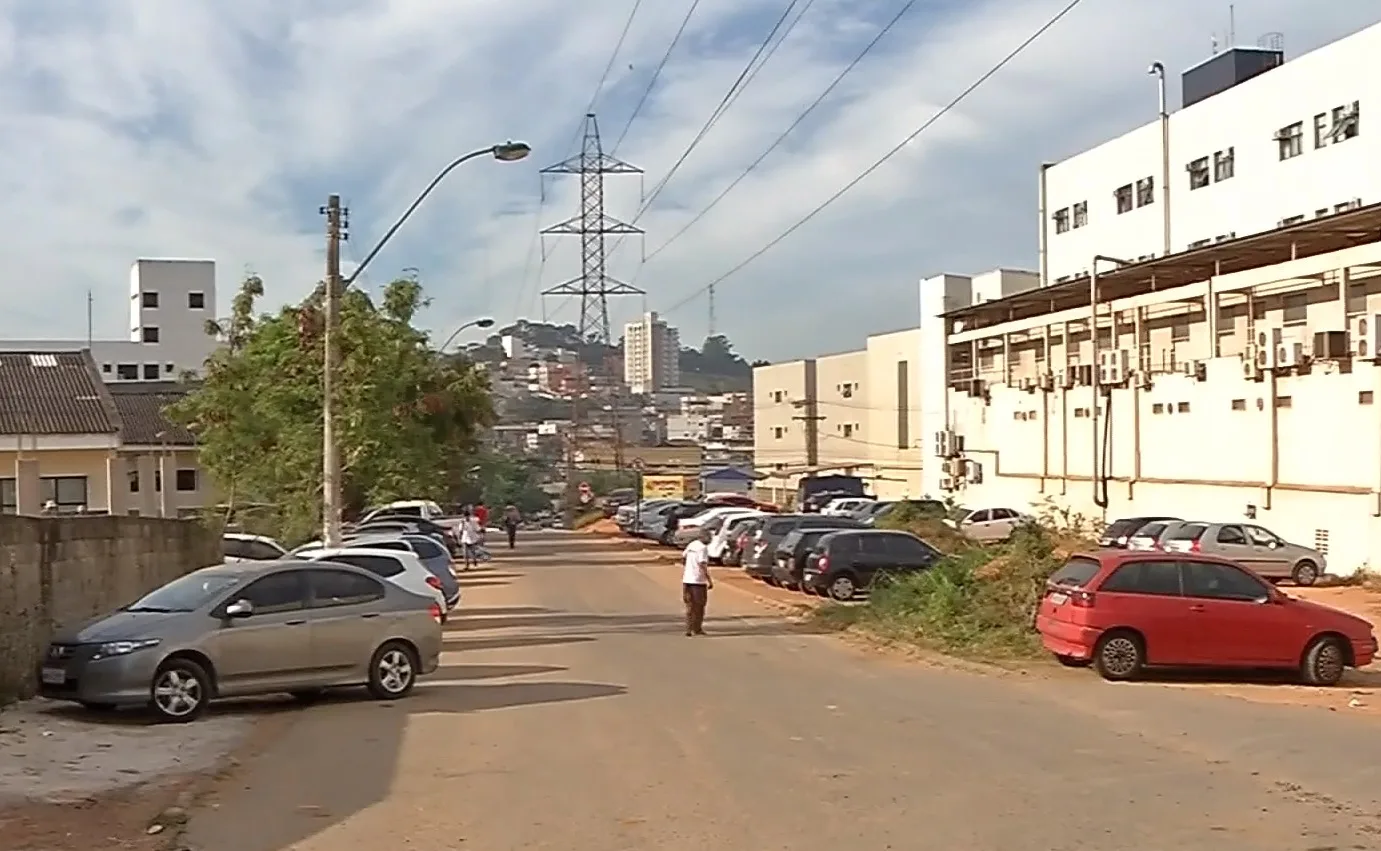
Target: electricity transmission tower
(593, 286)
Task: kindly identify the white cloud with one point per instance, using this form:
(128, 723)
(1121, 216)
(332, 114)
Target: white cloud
(216, 128)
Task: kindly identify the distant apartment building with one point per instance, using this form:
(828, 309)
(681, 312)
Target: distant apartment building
(855, 413)
(651, 355)
(170, 302)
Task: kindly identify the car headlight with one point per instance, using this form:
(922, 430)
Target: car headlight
(123, 648)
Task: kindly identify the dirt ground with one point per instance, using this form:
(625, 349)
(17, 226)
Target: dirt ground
(73, 779)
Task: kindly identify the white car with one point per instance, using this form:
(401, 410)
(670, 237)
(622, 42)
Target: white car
(690, 526)
(842, 506)
(424, 508)
(990, 525)
(237, 546)
(719, 544)
(402, 569)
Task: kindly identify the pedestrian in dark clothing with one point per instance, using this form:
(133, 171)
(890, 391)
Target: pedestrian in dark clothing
(511, 519)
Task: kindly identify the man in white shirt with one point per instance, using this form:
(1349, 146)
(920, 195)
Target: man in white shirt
(696, 583)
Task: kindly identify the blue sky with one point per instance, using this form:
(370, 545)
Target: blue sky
(210, 128)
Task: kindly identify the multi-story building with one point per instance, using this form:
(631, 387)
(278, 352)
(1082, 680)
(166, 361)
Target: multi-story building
(651, 355)
(1208, 383)
(1259, 143)
(170, 302)
(855, 413)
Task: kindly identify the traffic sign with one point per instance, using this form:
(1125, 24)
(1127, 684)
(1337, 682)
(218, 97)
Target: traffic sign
(638, 465)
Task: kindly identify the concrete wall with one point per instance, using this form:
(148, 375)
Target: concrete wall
(56, 572)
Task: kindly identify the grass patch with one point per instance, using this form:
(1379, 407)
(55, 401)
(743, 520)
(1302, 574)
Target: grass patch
(979, 602)
(586, 519)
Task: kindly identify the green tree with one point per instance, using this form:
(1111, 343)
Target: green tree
(407, 418)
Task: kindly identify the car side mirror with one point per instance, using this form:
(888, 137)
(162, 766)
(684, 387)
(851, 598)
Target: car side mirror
(239, 609)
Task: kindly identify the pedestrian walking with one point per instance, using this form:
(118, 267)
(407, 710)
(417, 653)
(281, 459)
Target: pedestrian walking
(511, 519)
(696, 583)
(469, 538)
(482, 516)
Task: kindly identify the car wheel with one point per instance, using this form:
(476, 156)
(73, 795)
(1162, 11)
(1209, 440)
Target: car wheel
(392, 671)
(1119, 655)
(180, 691)
(1073, 661)
(1324, 662)
(842, 588)
(1305, 573)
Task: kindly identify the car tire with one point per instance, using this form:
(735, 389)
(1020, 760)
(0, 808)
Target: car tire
(1120, 655)
(1325, 661)
(1306, 573)
(393, 671)
(842, 588)
(1072, 661)
(180, 691)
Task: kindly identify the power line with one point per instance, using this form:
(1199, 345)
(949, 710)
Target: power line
(848, 69)
(647, 92)
(1069, 7)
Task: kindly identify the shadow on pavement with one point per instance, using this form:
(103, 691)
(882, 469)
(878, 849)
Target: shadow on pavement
(623, 624)
(488, 672)
(453, 642)
(1274, 677)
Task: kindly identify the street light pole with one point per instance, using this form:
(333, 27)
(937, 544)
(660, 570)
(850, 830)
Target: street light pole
(335, 233)
(474, 323)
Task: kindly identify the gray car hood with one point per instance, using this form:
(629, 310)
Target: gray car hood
(118, 626)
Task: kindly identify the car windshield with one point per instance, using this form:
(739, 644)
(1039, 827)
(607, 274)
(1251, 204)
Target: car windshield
(185, 594)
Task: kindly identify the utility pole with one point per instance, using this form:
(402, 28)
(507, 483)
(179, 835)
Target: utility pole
(593, 286)
(810, 415)
(330, 451)
(712, 316)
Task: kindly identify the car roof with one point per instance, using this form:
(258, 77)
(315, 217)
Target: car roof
(1118, 557)
(245, 536)
(327, 552)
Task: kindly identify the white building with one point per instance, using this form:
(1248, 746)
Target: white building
(651, 355)
(170, 302)
(1233, 381)
(1252, 150)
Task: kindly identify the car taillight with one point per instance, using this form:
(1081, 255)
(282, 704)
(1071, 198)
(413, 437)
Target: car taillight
(1081, 599)
(434, 582)
(436, 613)
(823, 562)
(1194, 546)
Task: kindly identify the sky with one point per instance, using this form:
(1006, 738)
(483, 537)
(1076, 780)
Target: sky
(216, 129)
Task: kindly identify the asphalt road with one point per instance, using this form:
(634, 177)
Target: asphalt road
(572, 713)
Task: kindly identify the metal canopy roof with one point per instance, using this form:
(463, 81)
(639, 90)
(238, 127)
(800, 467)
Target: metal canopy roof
(1281, 245)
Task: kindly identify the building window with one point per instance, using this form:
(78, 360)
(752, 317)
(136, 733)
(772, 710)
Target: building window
(127, 372)
(106, 368)
(133, 476)
(1158, 408)
(196, 301)
(1285, 402)
(1224, 164)
(9, 497)
(169, 367)
(1123, 195)
(847, 429)
(1296, 309)
(1198, 173)
(1080, 214)
(150, 372)
(149, 301)
(1320, 130)
(1365, 397)
(1145, 191)
(150, 334)
(1290, 140)
(68, 493)
(186, 480)
(778, 396)
(778, 432)
(1062, 220)
(1239, 404)
(1179, 331)
(1346, 122)
(1182, 407)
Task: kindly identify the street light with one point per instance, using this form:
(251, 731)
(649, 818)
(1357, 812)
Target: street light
(330, 462)
(474, 323)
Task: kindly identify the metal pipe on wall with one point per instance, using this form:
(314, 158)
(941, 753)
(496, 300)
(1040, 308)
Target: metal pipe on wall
(1158, 71)
(1042, 233)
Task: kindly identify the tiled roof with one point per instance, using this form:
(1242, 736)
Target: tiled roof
(141, 405)
(53, 393)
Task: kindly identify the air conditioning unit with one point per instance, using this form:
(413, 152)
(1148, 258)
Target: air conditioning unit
(1200, 370)
(977, 387)
(974, 473)
(1047, 381)
(1187, 369)
(1083, 375)
(955, 467)
(946, 484)
(1112, 367)
(1065, 379)
(1029, 384)
(1144, 379)
(1289, 350)
(943, 441)
(1366, 337)
(1269, 342)
(1330, 345)
(1251, 369)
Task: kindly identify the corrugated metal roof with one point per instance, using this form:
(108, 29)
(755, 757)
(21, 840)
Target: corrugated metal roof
(141, 406)
(54, 393)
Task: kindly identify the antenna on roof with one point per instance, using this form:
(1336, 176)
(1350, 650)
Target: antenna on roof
(90, 320)
(1213, 43)
(1232, 25)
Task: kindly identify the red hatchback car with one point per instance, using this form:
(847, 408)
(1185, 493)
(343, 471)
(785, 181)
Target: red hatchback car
(1123, 611)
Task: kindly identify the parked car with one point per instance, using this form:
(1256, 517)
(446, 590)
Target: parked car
(1263, 551)
(389, 522)
(247, 628)
(711, 518)
(843, 506)
(745, 533)
(1149, 536)
(1125, 611)
(420, 508)
(679, 513)
(789, 562)
(758, 561)
(627, 515)
(844, 562)
(727, 534)
(237, 546)
(1119, 532)
(923, 507)
(867, 510)
(403, 569)
(989, 525)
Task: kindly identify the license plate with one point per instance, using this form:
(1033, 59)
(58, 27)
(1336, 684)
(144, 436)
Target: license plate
(54, 676)
(1059, 599)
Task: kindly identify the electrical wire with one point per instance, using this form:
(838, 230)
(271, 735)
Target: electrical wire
(647, 92)
(848, 69)
(991, 72)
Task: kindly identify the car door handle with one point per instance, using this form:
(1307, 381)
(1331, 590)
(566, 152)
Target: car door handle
(295, 623)
(1196, 608)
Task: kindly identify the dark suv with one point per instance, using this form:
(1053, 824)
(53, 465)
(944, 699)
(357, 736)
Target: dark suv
(758, 561)
(844, 562)
(1117, 533)
(789, 563)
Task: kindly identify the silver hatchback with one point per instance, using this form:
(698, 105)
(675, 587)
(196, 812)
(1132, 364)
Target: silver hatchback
(247, 629)
(1265, 552)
